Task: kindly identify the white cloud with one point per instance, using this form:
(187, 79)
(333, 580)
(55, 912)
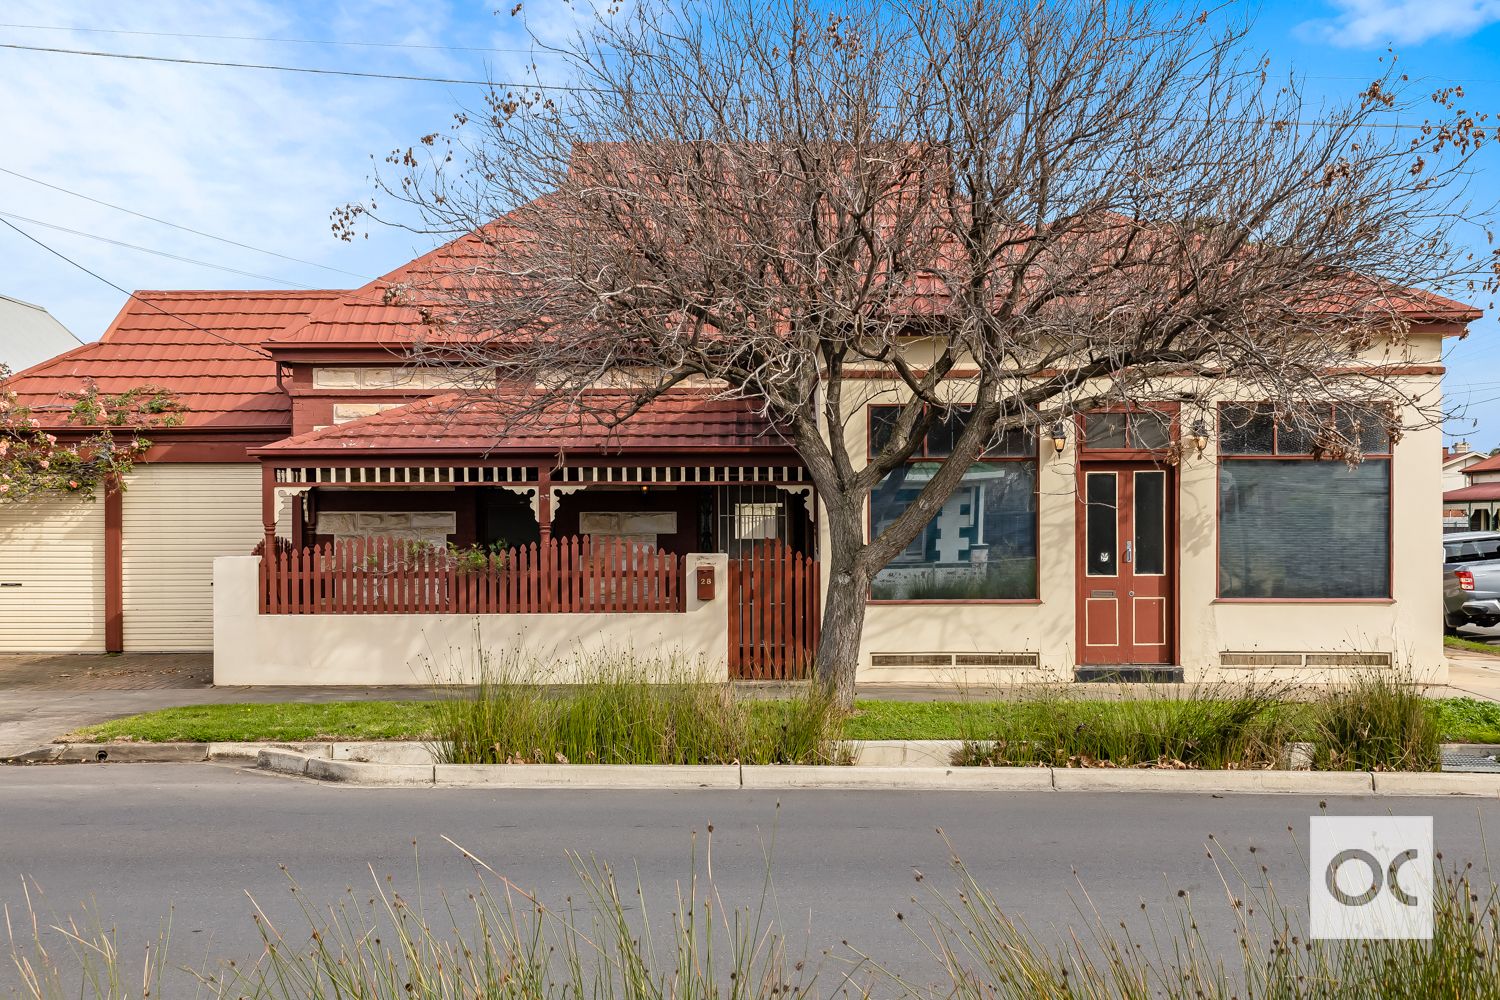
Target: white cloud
(259, 157)
(1362, 23)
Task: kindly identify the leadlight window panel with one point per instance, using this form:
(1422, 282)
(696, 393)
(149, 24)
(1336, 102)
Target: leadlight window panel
(1104, 430)
(1365, 427)
(1146, 430)
(882, 421)
(1246, 430)
(1149, 429)
(1300, 529)
(982, 545)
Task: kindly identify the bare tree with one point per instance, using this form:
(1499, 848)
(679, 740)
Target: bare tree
(1016, 211)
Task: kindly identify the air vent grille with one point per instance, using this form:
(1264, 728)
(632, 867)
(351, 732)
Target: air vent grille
(1022, 659)
(1229, 658)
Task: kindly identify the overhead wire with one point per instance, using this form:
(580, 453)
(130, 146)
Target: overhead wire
(259, 352)
(185, 229)
(159, 253)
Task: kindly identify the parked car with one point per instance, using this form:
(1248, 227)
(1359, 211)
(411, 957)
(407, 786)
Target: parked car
(1471, 579)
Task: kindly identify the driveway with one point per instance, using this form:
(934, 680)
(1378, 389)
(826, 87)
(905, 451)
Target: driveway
(44, 696)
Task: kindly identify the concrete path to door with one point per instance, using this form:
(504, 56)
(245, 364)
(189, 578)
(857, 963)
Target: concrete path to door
(43, 697)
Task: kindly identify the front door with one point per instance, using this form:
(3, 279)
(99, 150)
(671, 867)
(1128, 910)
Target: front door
(1126, 597)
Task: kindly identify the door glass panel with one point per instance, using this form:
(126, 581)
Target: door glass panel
(1150, 522)
(1101, 533)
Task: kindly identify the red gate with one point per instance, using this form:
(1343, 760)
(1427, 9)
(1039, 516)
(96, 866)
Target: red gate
(773, 613)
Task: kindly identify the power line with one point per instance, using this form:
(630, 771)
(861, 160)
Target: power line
(146, 302)
(569, 88)
(185, 229)
(158, 253)
(257, 38)
(410, 78)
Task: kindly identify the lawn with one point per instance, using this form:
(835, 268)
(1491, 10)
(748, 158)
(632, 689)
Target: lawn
(1472, 645)
(1461, 720)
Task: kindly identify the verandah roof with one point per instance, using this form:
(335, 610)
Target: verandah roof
(516, 422)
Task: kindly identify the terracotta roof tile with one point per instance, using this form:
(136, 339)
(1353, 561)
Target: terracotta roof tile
(1479, 491)
(204, 347)
(1487, 465)
(488, 423)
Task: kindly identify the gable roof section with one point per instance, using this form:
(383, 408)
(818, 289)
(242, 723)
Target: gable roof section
(1491, 464)
(1476, 491)
(203, 347)
(681, 420)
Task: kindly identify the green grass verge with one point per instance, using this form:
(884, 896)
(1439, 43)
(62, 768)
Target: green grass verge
(1460, 720)
(280, 722)
(1472, 645)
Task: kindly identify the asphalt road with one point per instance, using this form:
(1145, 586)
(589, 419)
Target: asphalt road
(193, 839)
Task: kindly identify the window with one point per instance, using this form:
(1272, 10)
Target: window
(1137, 430)
(1293, 526)
(756, 521)
(982, 544)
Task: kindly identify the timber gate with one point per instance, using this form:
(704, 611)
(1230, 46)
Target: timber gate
(773, 612)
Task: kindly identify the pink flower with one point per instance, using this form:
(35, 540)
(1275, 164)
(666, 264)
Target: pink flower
(44, 464)
(51, 439)
(72, 484)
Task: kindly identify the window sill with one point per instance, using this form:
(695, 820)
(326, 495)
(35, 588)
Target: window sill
(872, 602)
(1305, 600)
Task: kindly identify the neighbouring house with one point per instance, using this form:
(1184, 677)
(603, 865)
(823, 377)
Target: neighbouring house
(392, 514)
(1455, 461)
(1477, 502)
(30, 334)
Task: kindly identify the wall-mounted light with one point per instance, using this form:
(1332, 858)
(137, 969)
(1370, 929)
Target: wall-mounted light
(1200, 435)
(1059, 436)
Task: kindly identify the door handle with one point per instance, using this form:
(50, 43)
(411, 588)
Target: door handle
(1127, 553)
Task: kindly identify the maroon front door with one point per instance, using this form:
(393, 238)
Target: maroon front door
(1126, 549)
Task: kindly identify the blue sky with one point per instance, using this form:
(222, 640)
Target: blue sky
(262, 158)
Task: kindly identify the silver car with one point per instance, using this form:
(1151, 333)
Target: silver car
(1471, 579)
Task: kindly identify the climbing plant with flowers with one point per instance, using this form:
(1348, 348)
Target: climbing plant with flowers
(33, 462)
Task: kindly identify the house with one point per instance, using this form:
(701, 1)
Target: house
(1478, 500)
(30, 334)
(1455, 461)
(1201, 544)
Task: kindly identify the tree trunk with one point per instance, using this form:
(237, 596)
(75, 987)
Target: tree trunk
(844, 607)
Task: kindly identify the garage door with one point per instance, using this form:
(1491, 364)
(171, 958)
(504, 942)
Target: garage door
(52, 577)
(176, 520)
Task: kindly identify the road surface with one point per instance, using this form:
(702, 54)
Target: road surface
(141, 839)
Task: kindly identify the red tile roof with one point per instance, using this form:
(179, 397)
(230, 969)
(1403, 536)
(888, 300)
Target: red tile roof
(1479, 491)
(1490, 464)
(203, 347)
(486, 423)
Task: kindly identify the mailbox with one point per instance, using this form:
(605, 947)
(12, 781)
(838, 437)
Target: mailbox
(705, 583)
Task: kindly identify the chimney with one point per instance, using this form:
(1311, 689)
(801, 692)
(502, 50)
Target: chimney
(1460, 447)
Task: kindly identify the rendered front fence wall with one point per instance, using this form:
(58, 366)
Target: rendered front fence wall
(251, 648)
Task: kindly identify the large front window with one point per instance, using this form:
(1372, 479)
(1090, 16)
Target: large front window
(982, 543)
(1296, 527)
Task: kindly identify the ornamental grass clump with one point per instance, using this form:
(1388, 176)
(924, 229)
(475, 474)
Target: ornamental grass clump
(1378, 720)
(1210, 727)
(618, 710)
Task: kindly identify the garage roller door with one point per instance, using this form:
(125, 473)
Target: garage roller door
(52, 577)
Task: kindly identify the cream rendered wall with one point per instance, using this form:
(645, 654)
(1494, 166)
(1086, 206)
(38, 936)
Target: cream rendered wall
(176, 520)
(54, 550)
(1408, 627)
(251, 648)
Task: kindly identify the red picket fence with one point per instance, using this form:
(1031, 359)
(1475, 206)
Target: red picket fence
(381, 576)
(773, 613)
